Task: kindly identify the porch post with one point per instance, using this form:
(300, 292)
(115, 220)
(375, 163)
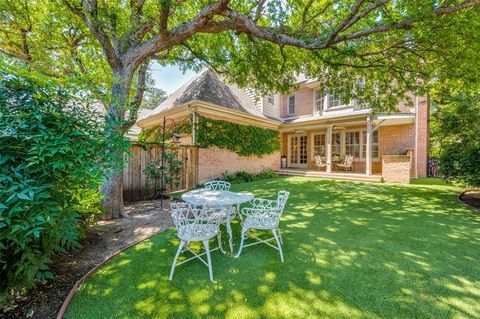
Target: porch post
(329, 148)
(368, 158)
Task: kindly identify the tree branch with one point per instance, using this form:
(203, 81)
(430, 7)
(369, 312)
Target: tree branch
(242, 23)
(90, 6)
(138, 97)
(406, 24)
(259, 10)
(164, 41)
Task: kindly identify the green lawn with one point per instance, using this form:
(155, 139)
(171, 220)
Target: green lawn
(352, 250)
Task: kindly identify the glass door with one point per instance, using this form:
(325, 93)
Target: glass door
(298, 156)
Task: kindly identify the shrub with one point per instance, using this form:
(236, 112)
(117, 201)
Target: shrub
(171, 175)
(455, 134)
(244, 177)
(51, 165)
(460, 162)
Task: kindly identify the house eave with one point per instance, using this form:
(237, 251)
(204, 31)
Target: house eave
(208, 109)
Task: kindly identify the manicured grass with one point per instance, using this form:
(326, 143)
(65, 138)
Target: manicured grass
(352, 250)
(429, 181)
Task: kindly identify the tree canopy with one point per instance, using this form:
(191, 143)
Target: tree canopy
(255, 43)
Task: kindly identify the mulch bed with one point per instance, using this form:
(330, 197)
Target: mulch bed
(471, 198)
(101, 241)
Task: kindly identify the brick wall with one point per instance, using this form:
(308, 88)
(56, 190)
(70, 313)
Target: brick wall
(214, 161)
(303, 102)
(397, 138)
(396, 168)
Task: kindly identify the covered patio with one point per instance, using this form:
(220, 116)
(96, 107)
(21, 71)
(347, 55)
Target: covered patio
(364, 136)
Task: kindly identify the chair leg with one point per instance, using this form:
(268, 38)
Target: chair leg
(241, 242)
(278, 244)
(187, 243)
(280, 236)
(209, 260)
(179, 250)
(219, 237)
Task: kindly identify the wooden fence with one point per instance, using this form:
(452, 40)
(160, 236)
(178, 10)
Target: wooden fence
(134, 180)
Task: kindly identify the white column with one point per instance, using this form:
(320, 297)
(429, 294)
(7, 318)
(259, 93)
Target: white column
(329, 148)
(368, 157)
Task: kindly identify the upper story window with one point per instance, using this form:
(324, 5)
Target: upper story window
(319, 101)
(334, 101)
(270, 99)
(291, 105)
(361, 82)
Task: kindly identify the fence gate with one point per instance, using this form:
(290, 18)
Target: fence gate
(134, 180)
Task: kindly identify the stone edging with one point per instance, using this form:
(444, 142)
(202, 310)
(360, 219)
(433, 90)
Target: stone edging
(79, 283)
(461, 201)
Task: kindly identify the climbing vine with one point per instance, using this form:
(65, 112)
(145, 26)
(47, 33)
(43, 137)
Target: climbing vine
(245, 140)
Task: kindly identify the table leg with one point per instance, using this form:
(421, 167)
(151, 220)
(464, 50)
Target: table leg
(230, 239)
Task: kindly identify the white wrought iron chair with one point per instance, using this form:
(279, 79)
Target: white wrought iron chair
(218, 185)
(228, 214)
(196, 224)
(264, 215)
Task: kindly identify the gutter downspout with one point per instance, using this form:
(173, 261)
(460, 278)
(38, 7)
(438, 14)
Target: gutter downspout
(416, 136)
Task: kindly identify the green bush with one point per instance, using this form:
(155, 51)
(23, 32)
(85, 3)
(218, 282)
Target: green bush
(244, 177)
(460, 162)
(455, 134)
(51, 164)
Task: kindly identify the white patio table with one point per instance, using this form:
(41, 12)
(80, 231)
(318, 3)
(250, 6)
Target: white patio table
(218, 198)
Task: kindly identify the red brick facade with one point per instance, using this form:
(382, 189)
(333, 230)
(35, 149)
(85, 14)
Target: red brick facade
(396, 168)
(214, 161)
(303, 102)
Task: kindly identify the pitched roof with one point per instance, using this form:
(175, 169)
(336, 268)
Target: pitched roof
(208, 87)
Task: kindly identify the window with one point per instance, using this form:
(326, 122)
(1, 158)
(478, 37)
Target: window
(337, 144)
(374, 144)
(270, 99)
(319, 145)
(319, 100)
(334, 101)
(303, 150)
(291, 105)
(352, 144)
(294, 150)
(361, 83)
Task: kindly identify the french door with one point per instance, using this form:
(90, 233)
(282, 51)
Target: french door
(297, 151)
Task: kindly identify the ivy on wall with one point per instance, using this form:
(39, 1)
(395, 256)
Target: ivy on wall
(244, 140)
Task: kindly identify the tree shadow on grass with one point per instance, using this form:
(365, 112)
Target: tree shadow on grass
(352, 250)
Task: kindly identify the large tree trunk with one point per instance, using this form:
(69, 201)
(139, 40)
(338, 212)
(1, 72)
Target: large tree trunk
(112, 202)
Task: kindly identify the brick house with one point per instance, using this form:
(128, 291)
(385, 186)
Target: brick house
(386, 146)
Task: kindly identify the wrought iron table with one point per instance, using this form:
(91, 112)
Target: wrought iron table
(219, 198)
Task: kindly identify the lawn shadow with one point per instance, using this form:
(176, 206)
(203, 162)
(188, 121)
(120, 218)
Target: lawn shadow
(352, 250)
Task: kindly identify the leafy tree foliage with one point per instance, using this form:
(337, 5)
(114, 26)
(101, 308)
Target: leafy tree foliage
(51, 165)
(153, 95)
(456, 132)
(397, 46)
